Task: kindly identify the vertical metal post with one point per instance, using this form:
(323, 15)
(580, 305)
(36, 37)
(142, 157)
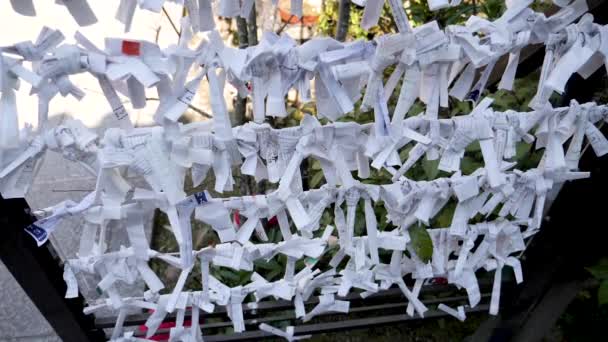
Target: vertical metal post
(39, 274)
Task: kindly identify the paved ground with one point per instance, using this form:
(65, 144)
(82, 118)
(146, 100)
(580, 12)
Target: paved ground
(58, 179)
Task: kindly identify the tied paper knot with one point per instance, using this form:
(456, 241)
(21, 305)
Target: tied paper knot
(76, 142)
(268, 145)
(434, 64)
(288, 334)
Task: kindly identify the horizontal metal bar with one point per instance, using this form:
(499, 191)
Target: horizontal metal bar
(367, 309)
(275, 305)
(271, 305)
(318, 328)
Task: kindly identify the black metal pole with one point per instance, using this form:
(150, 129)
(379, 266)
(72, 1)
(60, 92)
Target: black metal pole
(39, 273)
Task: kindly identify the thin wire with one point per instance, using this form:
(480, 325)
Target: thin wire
(284, 25)
(196, 109)
(588, 143)
(178, 32)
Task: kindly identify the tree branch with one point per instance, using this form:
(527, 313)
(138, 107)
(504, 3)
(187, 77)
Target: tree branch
(179, 34)
(252, 27)
(196, 109)
(240, 104)
(343, 20)
(284, 25)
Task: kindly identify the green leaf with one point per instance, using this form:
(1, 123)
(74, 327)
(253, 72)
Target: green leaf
(270, 265)
(422, 243)
(316, 179)
(600, 270)
(521, 150)
(274, 273)
(244, 277)
(473, 147)
(228, 274)
(602, 293)
(430, 168)
(416, 109)
(444, 218)
(309, 108)
(405, 152)
(468, 165)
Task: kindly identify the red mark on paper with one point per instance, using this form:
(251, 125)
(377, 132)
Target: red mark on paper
(131, 48)
(237, 219)
(164, 325)
(439, 281)
(273, 221)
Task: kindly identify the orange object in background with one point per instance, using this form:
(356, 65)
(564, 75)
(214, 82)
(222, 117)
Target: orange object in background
(311, 10)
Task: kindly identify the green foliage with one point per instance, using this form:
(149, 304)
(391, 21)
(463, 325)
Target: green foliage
(518, 99)
(584, 320)
(418, 12)
(231, 277)
(602, 293)
(492, 9)
(600, 272)
(430, 168)
(421, 242)
(443, 219)
(328, 21)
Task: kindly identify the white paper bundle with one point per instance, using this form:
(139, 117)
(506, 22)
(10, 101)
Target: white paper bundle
(434, 64)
